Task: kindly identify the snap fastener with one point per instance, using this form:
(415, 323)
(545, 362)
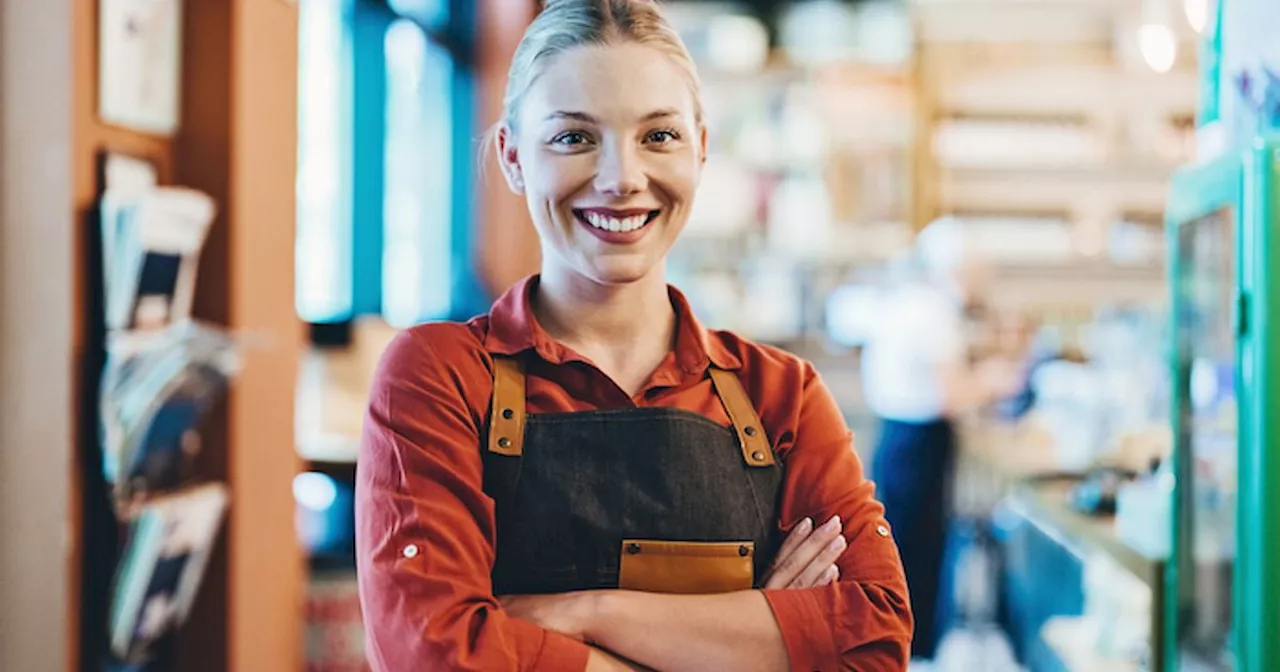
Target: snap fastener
(507, 414)
(749, 431)
(411, 551)
(743, 551)
(882, 530)
(757, 456)
(504, 442)
(633, 549)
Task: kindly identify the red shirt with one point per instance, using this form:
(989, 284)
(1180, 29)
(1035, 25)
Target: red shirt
(425, 529)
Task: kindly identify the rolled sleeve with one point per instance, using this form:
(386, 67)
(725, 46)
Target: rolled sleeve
(424, 526)
(862, 621)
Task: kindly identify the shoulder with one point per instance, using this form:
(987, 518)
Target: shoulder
(438, 356)
(794, 404)
(762, 362)
(780, 384)
(436, 342)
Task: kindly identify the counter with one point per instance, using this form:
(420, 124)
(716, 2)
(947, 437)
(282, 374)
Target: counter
(1044, 546)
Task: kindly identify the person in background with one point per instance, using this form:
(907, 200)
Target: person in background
(586, 478)
(918, 379)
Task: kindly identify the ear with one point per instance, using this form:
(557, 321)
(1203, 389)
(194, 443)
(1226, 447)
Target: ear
(702, 142)
(509, 159)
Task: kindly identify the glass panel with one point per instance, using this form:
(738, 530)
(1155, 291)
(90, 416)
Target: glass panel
(416, 269)
(323, 246)
(1207, 350)
(432, 13)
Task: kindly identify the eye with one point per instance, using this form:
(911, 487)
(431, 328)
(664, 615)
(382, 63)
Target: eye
(662, 137)
(571, 138)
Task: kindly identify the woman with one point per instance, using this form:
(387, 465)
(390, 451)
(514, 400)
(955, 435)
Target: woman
(585, 478)
(918, 378)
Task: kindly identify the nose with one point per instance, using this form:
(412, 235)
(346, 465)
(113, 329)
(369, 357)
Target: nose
(620, 171)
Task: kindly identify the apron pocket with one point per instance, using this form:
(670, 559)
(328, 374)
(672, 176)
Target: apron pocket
(686, 567)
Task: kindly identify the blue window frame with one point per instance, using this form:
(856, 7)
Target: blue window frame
(387, 232)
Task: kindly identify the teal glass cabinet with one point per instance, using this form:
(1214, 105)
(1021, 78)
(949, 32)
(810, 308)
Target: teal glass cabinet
(1222, 581)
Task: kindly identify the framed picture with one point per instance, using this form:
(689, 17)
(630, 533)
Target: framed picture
(140, 64)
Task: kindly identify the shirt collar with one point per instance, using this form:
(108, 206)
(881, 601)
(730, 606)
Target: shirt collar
(513, 329)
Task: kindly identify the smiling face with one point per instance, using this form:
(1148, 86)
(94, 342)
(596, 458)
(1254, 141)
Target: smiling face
(608, 153)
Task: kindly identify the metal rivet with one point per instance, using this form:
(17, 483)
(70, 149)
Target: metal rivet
(411, 551)
(882, 530)
(507, 414)
(743, 551)
(757, 456)
(750, 431)
(504, 442)
(633, 548)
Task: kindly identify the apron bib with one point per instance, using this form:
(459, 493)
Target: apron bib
(653, 499)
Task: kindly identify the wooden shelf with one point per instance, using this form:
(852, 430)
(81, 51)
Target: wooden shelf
(1088, 132)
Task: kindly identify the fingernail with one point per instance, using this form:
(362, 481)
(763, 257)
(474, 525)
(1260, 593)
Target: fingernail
(833, 524)
(805, 525)
(833, 572)
(838, 543)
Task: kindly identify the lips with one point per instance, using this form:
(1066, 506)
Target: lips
(616, 226)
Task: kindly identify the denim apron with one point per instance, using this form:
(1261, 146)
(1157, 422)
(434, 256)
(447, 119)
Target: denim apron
(636, 498)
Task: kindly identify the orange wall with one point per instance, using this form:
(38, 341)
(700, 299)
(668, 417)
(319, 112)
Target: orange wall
(239, 143)
(507, 246)
(90, 138)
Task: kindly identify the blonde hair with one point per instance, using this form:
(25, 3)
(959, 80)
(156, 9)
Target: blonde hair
(565, 24)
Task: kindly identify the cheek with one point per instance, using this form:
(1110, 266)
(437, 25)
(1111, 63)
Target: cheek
(680, 177)
(555, 178)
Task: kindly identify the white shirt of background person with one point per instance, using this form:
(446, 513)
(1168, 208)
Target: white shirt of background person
(920, 334)
(917, 351)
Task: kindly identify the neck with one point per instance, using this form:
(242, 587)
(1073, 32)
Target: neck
(610, 322)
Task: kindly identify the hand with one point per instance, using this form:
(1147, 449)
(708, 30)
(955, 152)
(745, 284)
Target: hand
(807, 558)
(1000, 377)
(566, 613)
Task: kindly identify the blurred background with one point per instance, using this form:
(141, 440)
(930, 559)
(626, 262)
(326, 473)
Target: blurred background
(337, 141)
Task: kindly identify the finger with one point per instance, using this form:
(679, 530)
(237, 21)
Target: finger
(798, 534)
(828, 577)
(795, 564)
(821, 563)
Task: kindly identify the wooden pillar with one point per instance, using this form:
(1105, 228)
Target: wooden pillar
(239, 143)
(38, 566)
(506, 244)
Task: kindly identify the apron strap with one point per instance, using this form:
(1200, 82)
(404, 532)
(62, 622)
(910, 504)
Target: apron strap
(506, 420)
(507, 417)
(756, 450)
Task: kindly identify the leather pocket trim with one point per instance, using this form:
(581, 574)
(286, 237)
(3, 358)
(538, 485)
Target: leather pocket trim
(686, 567)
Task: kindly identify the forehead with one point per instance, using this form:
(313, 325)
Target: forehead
(614, 83)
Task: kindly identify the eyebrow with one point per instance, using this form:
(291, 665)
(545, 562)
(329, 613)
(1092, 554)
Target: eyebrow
(586, 118)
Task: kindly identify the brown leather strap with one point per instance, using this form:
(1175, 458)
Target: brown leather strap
(755, 445)
(506, 420)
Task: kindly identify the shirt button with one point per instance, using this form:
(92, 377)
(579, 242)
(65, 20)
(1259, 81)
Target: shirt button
(882, 530)
(411, 551)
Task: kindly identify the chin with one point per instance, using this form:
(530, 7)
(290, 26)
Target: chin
(621, 271)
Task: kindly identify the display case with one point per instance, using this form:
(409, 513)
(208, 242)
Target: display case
(1221, 600)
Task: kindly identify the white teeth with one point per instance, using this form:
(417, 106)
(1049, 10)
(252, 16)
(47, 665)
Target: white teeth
(612, 224)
